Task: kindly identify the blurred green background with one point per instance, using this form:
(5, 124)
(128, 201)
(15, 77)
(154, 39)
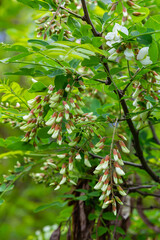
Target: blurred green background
(17, 218)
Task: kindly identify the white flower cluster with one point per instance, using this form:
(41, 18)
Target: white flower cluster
(115, 37)
(111, 172)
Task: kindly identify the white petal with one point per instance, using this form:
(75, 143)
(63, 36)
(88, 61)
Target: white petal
(112, 50)
(128, 54)
(109, 36)
(142, 53)
(113, 56)
(146, 61)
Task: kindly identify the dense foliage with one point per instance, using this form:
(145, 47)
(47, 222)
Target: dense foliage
(81, 93)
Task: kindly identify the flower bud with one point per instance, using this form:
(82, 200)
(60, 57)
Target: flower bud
(70, 166)
(68, 128)
(52, 119)
(60, 117)
(106, 162)
(59, 139)
(122, 137)
(68, 88)
(74, 142)
(105, 175)
(50, 89)
(108, 190)
(118, 169)
(72, 182)
(125, 13)
(56, 131)
(99, 167)
(63, 169)
(115, 154)
(82, 86)
(26, 137)
(115, 179)
(78, 156)
(114, 209)
(123, 146)
(66, 115)
(102, 197)
(72, 103)
(63, 155)
(63, 180)
(58, 187)
(86, 161)
(118, 200)
(121, 191)
(105, 185)
(66, 106)
(99, 184)
(51, 130)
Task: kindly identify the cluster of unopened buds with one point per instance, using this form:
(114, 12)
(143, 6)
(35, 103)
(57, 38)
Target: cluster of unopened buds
(63, 111)
(53, 26)
(111, 172)
(126, 16)
(139, 94)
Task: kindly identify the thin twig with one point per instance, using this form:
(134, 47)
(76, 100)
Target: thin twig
(125, 162)
(69, 11)
(131, 80)
(144, 217)
(154, 133)
(86, 18)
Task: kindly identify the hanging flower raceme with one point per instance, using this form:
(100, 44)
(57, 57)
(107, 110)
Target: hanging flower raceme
(142, 111)
(110, 171)
(65, 109)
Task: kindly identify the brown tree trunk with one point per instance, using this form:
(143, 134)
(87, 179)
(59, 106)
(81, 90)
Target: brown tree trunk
(81, 226)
